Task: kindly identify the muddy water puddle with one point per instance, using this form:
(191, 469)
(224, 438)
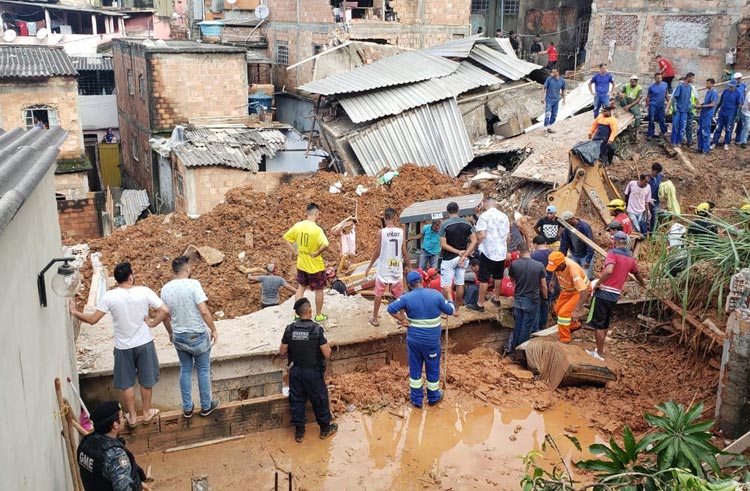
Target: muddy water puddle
(457, 445)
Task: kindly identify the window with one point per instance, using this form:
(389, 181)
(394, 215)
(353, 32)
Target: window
(142, 87)
(131, 88)
(480, 7)
(42, 116)
(282, 53)
(317, 49)
(510, 7)
(180, 185)
(96, 82)
(134, 147)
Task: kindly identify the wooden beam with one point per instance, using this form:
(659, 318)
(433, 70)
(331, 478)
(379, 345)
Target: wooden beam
(738, 446)
(203, 444)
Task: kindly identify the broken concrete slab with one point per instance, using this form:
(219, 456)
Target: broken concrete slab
(547, 156)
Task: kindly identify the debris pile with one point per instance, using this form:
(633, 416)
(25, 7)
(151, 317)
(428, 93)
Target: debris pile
(247, 229)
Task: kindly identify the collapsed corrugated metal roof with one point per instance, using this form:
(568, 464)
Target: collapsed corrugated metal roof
(506, 65)
(404, 68)
(375, 104)
(430, 135)
(457, 48)
(240, 148)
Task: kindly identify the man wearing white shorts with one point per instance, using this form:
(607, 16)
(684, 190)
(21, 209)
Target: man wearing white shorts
(392, 256)
(457, 241)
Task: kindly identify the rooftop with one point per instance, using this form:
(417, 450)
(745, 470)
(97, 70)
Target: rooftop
(25, 157)
(92, 63)
(171, 46)
(20, 61)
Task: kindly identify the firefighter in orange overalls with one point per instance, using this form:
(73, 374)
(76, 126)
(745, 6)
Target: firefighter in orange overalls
(574, 290)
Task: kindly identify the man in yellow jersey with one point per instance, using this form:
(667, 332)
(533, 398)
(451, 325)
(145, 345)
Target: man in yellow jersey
(308, 241)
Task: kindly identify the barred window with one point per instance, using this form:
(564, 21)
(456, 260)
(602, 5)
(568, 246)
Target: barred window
(96, 82)
(142, 87)
(282, 53)
(480, 6)
(131, 84)
(510, 7)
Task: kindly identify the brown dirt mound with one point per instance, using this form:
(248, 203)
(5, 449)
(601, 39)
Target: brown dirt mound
(151, 244)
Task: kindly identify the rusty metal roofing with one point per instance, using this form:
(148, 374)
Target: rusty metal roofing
(430, 135)
(19, 61)
(404, 68)
(375, 104)
(506, 65)
(92, 63)
(236, 147)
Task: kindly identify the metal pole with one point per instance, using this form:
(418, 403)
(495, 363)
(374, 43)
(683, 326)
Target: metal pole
(502, 15)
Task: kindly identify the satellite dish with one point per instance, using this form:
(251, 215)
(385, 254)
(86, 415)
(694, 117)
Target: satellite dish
(262, 11)
(42, 33)
(9, 36)
(231, 2)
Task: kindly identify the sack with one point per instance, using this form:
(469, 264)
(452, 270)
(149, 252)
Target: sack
(192, 343)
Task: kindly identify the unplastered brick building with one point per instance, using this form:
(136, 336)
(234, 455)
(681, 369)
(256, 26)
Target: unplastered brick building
(299, 29)
(163, 84)
(694, 36)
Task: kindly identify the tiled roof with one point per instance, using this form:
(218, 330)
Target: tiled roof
(34, 62)
(25, 157)
(92, 63)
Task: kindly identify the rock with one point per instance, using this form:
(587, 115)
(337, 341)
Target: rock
(522, 374)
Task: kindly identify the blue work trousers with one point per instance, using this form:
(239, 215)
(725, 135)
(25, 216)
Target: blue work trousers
(679, 121)
(526, 317)
(745, 128)
(425, 355)
(689, 129)
(600, 101)
(550, 112)
(195, 352)
(308, 384)
(704, 131)
(656, 114)
(724, 122)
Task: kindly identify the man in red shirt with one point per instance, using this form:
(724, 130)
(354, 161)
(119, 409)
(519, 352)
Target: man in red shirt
(667, 72)
(618, 264)
(551, 56)
(617, 210)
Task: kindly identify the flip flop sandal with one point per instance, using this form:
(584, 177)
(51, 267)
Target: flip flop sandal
(373, 322)
(151, 415)
(131, 425)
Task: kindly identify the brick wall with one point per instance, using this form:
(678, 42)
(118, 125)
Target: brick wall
(694, 38)
(206, 187)
(191, 85)
(79, 219)
(72, 185)
(59, 93)
(308, 10)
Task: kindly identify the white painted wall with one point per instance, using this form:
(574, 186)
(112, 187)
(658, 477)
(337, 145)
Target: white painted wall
(37, 346)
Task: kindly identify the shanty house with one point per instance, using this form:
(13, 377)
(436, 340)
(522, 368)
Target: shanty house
(419, 106)
(38, 341)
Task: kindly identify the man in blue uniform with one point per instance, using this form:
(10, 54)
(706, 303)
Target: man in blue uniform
(729, 104)
(305, 344)
(103, 460)
(419, 311)
(682, 101)
(707, 107)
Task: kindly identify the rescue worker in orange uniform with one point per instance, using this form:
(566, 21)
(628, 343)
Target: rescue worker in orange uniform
(574, 290)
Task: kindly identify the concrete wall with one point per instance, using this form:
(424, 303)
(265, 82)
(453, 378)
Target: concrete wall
(60, 93)
(79, 219)
(37, 347)
(72, 185)
(694, 36)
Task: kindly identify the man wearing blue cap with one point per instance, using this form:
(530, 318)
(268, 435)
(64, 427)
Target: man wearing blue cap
(729, 103)
(103, 460)
(618, 264)
(549, 227)
(419, 311)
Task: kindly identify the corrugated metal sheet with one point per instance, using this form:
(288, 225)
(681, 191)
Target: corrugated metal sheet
(457, 48)
(505, 46)
(92, 63)
(240, 148)
(405, 68)
(371, 105)
(430, 135)
(34, 61)
(506, 65)
(132, 203)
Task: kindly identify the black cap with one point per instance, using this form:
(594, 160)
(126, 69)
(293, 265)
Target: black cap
(299, 303)
(105, 412)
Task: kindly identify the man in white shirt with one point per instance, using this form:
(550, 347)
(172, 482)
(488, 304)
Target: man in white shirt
(135, 353)
(638, 197)
(493, 234)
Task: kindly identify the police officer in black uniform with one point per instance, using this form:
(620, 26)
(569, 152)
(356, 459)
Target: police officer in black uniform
(105, 463)
(308, 350)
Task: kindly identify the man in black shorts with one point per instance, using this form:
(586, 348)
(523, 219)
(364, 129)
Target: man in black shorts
(618, 264)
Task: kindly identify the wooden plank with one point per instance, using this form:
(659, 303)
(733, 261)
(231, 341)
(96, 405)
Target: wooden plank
(203, 444)
(738, 446)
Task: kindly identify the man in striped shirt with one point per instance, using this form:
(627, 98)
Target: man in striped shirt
(419, 311)
(618, 264)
